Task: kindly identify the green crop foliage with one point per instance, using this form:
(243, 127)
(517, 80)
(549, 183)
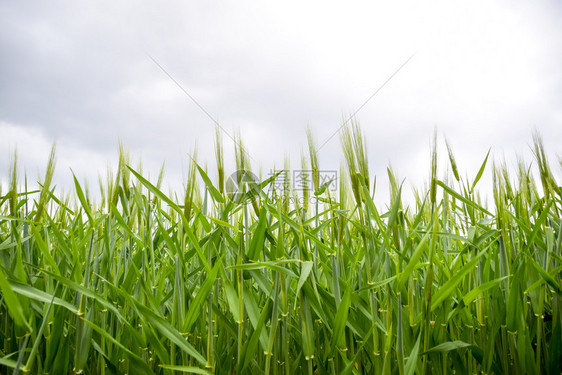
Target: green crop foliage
(206, 281)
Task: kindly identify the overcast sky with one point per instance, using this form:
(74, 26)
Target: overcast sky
(484, 74)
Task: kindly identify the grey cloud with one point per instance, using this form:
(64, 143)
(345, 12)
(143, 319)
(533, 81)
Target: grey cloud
(81, 73)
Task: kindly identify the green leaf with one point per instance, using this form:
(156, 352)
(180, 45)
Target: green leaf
(232, 299)
(306, 268)
(217, 197)
(194, 242)
(154, 190)
(547, 277)
(258, 236)
(13, 303)
(140, 364)
(43, 247)
(480, 172)
(448, 346)
(83, 201)
(322, 188)
(6, 361)
(463, 199)
(470, 296)
(418, 252)
(124, 225)
(450, 286)
(413, 358)
(514, 314)
(394, 211)
(221, 222)
(253, 311)
(202, 295)
(274, 266)
(340, 321)
(538, 224)
(375, 285)
(188, 369)
(252, 345)
(9, 243)
(161, 325)
(39, 295)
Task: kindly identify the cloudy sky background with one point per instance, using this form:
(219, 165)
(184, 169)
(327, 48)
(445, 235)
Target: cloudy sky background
(485, 74)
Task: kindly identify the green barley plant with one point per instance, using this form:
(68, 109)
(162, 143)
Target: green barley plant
(144, 282)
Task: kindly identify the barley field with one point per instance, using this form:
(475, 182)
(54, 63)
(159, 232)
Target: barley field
(139, 281)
